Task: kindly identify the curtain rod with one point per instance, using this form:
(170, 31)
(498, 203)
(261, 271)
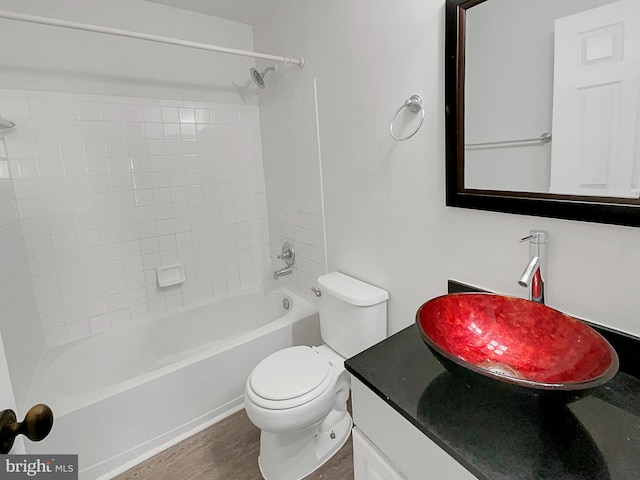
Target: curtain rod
(144, 36)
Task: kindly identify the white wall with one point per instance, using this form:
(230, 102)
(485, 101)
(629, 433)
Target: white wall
(385, 209)
(39, 57)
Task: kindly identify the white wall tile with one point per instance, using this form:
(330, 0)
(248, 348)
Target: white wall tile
(291, 154)
(90, 111)
(120, 317)
(99, 323)
(133, 113)
(152, 113)
(95, 147)
(129, 184)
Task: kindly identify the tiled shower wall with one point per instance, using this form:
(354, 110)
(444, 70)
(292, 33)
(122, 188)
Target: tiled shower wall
(110, 188)
(291, 151)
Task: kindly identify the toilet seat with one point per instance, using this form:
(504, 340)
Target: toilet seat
(290, 378)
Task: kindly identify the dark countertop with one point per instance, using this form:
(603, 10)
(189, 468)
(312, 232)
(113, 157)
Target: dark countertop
(496, 435)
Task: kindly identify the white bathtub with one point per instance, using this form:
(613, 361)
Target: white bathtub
(123, 395)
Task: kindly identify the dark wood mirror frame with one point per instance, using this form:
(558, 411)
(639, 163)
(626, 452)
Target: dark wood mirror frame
(589, 209)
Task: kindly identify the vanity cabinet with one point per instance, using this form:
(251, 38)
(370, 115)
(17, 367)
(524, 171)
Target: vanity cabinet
(386, 446)
(369, 463)
(417, 422)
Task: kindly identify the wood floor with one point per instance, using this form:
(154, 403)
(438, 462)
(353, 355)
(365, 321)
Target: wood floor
(227, 450)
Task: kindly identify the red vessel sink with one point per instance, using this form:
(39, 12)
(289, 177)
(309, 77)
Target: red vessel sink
(516, 341)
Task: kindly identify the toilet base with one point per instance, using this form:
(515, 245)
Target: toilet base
(294, 455)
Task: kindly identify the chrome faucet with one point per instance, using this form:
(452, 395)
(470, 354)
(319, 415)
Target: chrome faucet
(534, 276)
(282, 272)
(289, 257)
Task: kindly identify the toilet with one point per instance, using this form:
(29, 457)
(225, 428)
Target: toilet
(298, 396)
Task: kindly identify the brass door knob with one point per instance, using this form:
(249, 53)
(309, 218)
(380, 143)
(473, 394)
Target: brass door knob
(36, 425)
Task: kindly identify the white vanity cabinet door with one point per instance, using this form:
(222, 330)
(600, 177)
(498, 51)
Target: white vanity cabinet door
(402, 445)
(369, 463)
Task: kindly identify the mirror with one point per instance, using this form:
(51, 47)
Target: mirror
(542, 108)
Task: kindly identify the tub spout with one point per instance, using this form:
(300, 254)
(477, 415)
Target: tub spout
(282, 272)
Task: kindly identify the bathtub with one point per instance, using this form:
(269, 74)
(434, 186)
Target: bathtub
(121, 396)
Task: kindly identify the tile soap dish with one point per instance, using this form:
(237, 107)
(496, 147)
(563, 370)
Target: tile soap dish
(171, 275)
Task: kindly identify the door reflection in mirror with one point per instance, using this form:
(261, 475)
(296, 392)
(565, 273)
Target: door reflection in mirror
(551, 97)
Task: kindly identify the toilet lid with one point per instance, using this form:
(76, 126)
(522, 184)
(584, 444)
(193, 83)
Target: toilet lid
(289, 373)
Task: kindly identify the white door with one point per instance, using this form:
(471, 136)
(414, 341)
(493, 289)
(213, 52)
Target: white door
(596, 105)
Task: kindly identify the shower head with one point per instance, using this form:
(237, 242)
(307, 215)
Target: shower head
(258, 78)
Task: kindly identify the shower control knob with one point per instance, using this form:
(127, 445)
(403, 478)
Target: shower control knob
(288, 254)
(36, 425)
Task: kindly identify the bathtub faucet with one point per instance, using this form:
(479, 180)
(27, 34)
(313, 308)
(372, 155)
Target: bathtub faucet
(282, 272)
(289, 257)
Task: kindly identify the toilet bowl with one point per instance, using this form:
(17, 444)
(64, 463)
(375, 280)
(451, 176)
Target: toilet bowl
(297, 397)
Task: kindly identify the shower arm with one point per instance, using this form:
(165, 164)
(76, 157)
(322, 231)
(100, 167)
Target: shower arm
(144, 36)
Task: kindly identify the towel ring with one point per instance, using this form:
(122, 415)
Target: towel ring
(414, 104)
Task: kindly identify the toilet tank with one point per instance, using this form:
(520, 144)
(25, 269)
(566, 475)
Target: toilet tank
(353, 314)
